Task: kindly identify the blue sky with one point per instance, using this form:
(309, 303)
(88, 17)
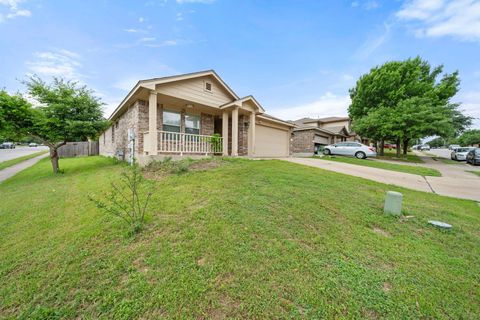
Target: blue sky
(298, 58)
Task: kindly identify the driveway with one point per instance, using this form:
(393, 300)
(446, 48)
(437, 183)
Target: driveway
(455, 182)
(8, 154)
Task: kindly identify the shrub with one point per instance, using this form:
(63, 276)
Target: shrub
(128, 199)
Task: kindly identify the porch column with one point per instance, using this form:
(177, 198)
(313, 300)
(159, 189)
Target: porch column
(225, 132)
(251, 144)
(152, 123)
(235, 132)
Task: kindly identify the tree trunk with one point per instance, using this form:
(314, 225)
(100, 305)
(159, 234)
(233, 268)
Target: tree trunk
(54, 159)
(405, 146)
(382, 145)
(398, 147)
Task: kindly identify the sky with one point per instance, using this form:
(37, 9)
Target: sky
(298, 58)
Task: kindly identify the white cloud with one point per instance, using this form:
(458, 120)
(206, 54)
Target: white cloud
(179, 16)
(471, 105)
(327, 105)
(12, 10)
(147, 39)
(372, 44)
(367, 5)
(58, 63)
(133, 30)
(141, 19)
(437, 18)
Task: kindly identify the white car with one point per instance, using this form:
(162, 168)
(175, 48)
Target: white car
(350, 148)
(460, 154)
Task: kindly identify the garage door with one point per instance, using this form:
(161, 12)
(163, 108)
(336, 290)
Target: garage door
(271, 142)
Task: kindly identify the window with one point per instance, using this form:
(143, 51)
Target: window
(192, 124)
(171, 121)
(208, 86)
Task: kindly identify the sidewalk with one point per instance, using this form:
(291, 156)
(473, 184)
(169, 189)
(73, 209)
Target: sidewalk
(13, 170)
(465, 188)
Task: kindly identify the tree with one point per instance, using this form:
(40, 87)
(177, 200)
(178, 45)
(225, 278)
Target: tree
(67, 112)
(437, 142)
(470, 137)
(412, 101)
(15, 115)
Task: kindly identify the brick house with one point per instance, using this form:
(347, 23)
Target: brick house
(309, 136)
(192, 115)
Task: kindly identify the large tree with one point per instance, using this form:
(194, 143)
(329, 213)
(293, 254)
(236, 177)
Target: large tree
(412, 100)
(470, 137)
(66, 112)
(15, 115)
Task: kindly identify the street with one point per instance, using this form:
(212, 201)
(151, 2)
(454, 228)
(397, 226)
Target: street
(442, 153)
(8, 154)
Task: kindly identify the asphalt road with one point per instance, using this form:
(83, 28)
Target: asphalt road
(442, 153)
(8, 154)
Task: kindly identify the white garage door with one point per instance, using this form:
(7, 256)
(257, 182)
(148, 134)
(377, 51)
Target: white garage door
(271, 142)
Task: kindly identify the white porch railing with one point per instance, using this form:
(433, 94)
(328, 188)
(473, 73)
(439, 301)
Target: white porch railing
(174, 142)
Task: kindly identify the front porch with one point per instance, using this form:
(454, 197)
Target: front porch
(179, 127)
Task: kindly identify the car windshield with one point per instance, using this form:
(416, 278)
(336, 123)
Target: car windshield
(463, 150)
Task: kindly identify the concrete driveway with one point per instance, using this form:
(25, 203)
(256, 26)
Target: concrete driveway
(454, 182)
(8, 154)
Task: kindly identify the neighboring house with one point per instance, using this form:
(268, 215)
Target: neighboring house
(192, 114)
(310, 135)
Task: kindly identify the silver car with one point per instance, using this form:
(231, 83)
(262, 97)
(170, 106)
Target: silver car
(460, 154)
(350, 148)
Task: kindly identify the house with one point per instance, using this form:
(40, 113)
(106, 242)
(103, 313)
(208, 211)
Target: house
(192, 115)
(309, 136)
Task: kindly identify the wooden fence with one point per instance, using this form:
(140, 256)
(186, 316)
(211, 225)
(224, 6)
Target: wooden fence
(78, 149)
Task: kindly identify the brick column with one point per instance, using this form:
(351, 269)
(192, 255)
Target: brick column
(225, 132)
(235, 132)
(152, 123)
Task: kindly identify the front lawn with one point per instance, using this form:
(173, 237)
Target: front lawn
(392, 156)
(423, 171)
(11, 162)
(245, 239)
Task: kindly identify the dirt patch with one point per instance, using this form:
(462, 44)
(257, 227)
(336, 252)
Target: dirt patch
(387, 286)
(382, 232)
(159, 170)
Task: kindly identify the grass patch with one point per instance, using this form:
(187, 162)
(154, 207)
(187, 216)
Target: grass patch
(250, 239)
(9, 163)
(475, 172)
(446, 161)
(168, 166)
(423, 171)
(410, 157)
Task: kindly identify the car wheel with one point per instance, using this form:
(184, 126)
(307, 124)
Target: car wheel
(360, 155)
(326, 152)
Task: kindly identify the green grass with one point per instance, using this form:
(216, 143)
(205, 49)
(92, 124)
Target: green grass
(247, 239)
(445, 160)
(423, 171)
(9, 163)
(475, 172)
(410, 157)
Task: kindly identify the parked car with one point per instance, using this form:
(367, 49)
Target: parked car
(460, 154)
(33, 145)
(349, 148)
(425, 147)
(8, 145)
(453, 146)
(389, 146)
(473, 156)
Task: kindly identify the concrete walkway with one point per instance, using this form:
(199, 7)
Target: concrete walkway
(13, 170)
(448, 185)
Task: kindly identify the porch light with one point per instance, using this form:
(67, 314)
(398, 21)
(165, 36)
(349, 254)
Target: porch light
(189, 106)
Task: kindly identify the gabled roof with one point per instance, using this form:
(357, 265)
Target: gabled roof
(274, 119)
(326, 119)
(151, 83)
(244, 99)
(338, 130)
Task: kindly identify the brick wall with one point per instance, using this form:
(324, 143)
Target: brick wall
(243, 122)
(302, 142)
(206, 124)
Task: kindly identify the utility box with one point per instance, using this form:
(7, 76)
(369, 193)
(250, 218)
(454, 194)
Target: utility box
(393, 203)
